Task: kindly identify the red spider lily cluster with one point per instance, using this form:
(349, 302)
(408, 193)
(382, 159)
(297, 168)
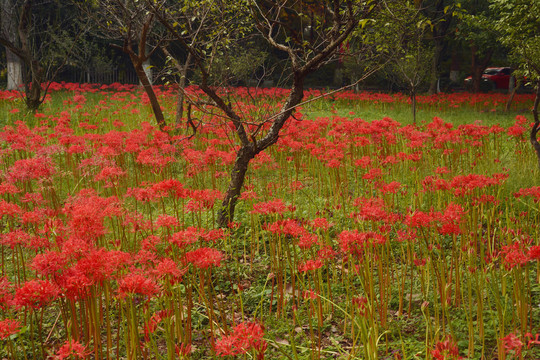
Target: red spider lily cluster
(108, 230)
(243, 338)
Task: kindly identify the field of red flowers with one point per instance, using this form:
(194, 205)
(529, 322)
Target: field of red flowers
(353, 239)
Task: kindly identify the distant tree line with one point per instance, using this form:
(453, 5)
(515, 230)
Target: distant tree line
(428, 45)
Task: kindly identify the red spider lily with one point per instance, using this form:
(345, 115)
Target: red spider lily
(110, 174)
(371, 209)
(183, 350)
(307, 240)
(373, 174)
(9, 209)
(172, 186)
(167, 267)
(21, 137)
(203, 258)
(321, 223)
(186, 237)
(87, 212)
(310, 294)
(213, 235)
(9, 327)
(466, 184)
(534, 192)
(390, 188)
(514, 255)
(244, 337)
(518, 129)
(151, 325)
(49, 263)
(144, 194)
(6, 296)
(310, 265)
(512, 343)
(167, 221)
(8, 188)
(33, 168)
(154, 159)
(202, 200)
(99, 265)
(451, 219)
(15, 238)
(446, 350)
(72, 350)
(533, 339)
(287, 227)
(361, 303)
(419, 262)
(276, 206)
(354, 242)
(137, 284)
(35, 294)
(534, 252)
(418, 219)
(432, 183)
(409, 235)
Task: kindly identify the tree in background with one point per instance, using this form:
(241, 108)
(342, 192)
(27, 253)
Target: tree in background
(402, 37)
(9, 22)
(519, 25)
(132, 25)
(44, 37)
(440, 14)
(476, 30)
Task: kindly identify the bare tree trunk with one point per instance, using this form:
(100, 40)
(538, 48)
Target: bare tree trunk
(14, 71)
(478, 66)
(413, 104)
(238, 175)
(534, 130)
(181, 87)
(433, 88)
(8, 18)
(138, 60)
(512, 94)
(33, 89)
(149, 89)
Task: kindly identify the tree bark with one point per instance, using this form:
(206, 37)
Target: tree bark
(435, 69)
(238, 175)
(149, 89)
(181, 87)
(534, 130)
(33, 89)
(14, 71)
(138, 60)
(8, 18)
(478, 65)
(517, 84)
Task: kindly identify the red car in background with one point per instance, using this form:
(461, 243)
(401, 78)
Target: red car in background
(496, 77)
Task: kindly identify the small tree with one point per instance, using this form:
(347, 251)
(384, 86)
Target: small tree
(45, 37)
(132, 24)
(408, 52)
(308, 33)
